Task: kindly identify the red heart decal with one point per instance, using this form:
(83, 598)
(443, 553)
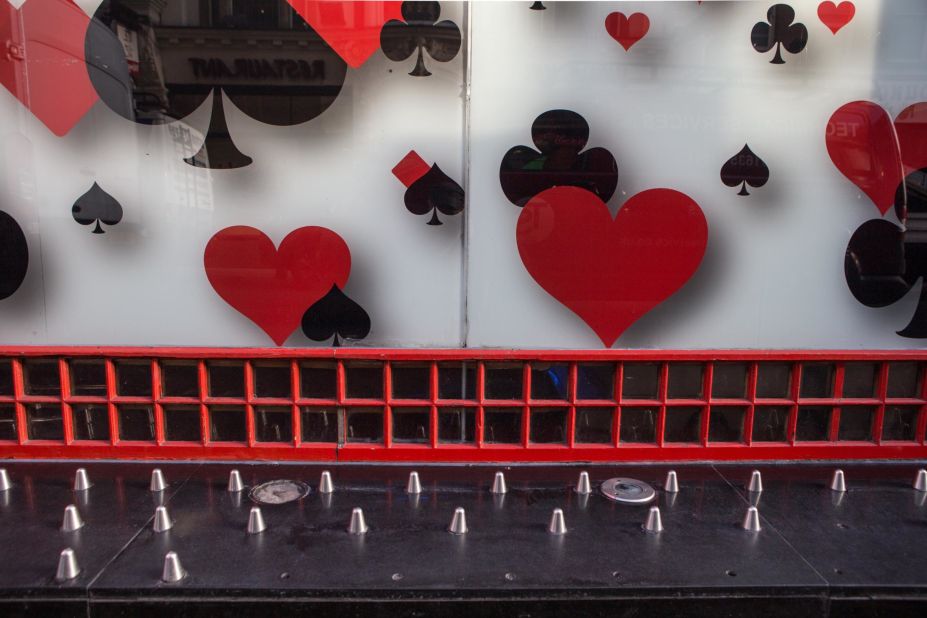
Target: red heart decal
(836, 16)
(352, 29)
(875, 153)
(610, 272)
(627, 30)
(274, 287)
(43, 64)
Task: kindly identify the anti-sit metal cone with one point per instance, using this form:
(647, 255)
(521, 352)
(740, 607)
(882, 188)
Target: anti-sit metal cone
(81, 480)
(256, 523)
(157, 481)
(654, 522)
(498, 484)
(557, 523)
(920, 483)
(671, 485)
(458, 522)
(67, 566)
(838, 482)
(173, 571)
(751, 521)
(583, 486)
(325, 483)
(72, 520)
(235, 483)
(5, 483)
(162, 520)
(756, 482)
(358, 524)
(414, 486)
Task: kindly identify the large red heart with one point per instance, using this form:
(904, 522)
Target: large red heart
(875, 153)
(836, 16)
(352, 29)
(274, 287)
(43, 63)
(627, 30)
(610, 272)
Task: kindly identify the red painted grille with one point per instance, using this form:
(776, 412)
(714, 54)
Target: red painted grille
(460, 405)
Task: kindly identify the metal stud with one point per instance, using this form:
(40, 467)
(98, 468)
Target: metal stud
(498, 484)
(458, 522)
(162, 520)
(920, 483)
(414, 486)
(751, 521)
(173, 571)
(557, 523)
(81, 480)
(654, 522)
(157, 481)
(72, 520)
(256, 523)
(325, 483)
(756, 482)
(838, 482)
(671, 485)
(358, 524)
(235, 483)
(583, 486)
(5, 483)
(68, 568)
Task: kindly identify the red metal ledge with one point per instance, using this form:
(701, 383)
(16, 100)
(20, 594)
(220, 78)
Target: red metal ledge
(460, 405)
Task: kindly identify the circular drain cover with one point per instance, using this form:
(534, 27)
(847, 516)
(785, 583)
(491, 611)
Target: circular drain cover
(628, 491)
(279, 492)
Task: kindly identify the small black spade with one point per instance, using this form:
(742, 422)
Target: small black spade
(14, 255)
(538, 6)
(434, 192)
(745, 168)
(333, 315)
(96, 205)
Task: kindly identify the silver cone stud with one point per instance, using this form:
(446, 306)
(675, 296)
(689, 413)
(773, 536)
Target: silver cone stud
(235, 483)
(654, 522)
(72, 520)
(5, 483)
(920, 483)
(458, 522)
(256, 523)
(756, 482)
(583, 486)
(325, 483)
(81, 480)
(557, 523)
(838, 482)
(414, 486)
(68, 568)
(671, 485)
(173, 571)
(358, 524)
(751, 521)
(498, 484)
(162, 520)
(157, 481)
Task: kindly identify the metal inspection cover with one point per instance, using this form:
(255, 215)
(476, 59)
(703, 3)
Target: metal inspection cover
(628, 491)
(279, 492)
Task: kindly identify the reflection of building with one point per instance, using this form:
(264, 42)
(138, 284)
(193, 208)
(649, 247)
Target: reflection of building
(277, 69)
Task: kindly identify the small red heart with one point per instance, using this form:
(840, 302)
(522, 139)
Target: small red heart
(610, 272)
(274, 287)
(43, 63)
(627, 30)
(836, 16)
(350, 28)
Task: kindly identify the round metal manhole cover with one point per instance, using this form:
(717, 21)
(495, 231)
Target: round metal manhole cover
(628, 491)
(279, 492)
